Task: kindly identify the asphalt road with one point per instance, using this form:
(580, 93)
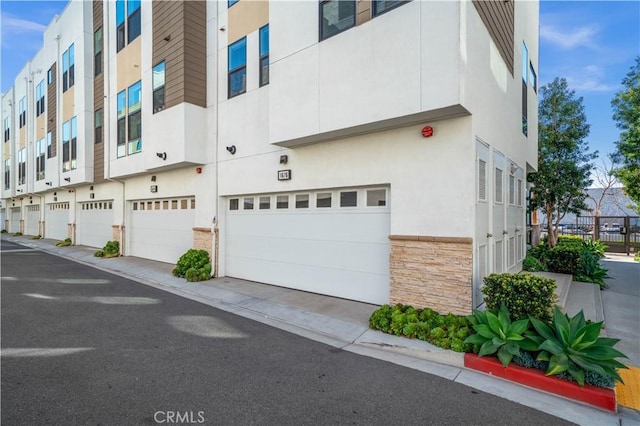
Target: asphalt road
(82, 346)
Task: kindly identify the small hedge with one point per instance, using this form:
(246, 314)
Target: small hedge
(531, 264)
(111, 249)
(65, 243)
(444, 331)
(194, 265)
(522, 294)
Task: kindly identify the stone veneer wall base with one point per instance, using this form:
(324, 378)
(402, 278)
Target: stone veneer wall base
(202, 240)
(434, 272)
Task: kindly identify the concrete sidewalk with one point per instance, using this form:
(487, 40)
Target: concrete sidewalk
(336, 322)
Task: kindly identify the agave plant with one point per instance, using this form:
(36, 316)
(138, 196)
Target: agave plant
(574, 346)
(496, 333)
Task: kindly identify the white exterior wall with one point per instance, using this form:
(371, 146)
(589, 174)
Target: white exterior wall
(7, 148)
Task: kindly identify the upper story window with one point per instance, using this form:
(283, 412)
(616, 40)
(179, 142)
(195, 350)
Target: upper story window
(49, 146)
(264, 55)
(97, 126)
(40, 98)
(232, 2)
(128, 26)
(158, 86)
(7, 129)
(525, 73)
(50, 76)
(22, 112)
(336, 16)
(40, 153)
(129, 113)
(533, 78)
(97, 52)
(382, 6)
(69, 144)
(68, 68)
(237, 79)
(22, 166)
(7, 173)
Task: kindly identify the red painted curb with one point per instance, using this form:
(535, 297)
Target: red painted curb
(604, 398)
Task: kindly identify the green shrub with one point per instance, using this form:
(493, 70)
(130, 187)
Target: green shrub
(637, 257)
(522, 294)
(194, 265)
(525, 359)
(444, 331)
(589, 269)
(595, 247)
(65, 243)
(17, 234)
(572, 345)
(564, 258)
(98, 253)
(497, 334)
(570, 240)
(36, 237)
(531, 264)
(4, 231)
(539, 252)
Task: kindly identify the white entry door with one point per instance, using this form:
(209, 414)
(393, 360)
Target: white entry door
(161, 229)
(94, 223)
(333, 242)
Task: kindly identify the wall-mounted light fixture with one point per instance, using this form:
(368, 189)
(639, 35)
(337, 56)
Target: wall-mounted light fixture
(284, 159)
(162, 155)
(19, 190)
(513, 168)
(92, 195)
(67, 179)
(91, 188)
(48, 183)
(223, 28)
(167, 38)
(154, 188)
(153, 178)
(232, 149)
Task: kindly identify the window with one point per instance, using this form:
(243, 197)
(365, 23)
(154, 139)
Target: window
(74, 142)
(498, 185)
(525, 72)
(122, 123)
(158, 87)
(323, 199)
(40, 152)
(66, 146)
(302, 201)
(233, 204)
(264, 55)
(22, 112)
(349, 199)
(520, 192)
(247, 204)
(336, 16)
(133, 20)
(238, 67)
(6, 128)
(68, 68)
(40, 98)
(135, 118)
(120, 39)
(265, 203)
(376, 198)
(97, 52)
(232, 2)
(482, 180)
(7, 173)
(97, 122)
(533, 77)
(50, 76)
(382, 6)
(282, 202)
(49, 147)
(512, 189)
(22, 166)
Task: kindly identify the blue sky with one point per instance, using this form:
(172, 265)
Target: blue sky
(590, 43)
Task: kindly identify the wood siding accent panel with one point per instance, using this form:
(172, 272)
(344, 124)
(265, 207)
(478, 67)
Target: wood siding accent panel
(98, 96)
(128, 64)
(498, 18)
(52, 109)
(22, 141)
(184, 53)
(363, 11)
(68, 104)
(40, 133)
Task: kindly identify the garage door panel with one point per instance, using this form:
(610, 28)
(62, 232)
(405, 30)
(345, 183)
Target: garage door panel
(32, 225)
(94, 226)
(341, 252)
(56, 220)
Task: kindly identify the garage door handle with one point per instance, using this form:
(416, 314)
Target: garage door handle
(489, 235)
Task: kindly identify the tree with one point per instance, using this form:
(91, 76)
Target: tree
(605, 175)
(564, 160)
(626, 114)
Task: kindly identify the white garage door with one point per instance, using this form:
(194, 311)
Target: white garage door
(56, 219)
(14, 221)
(3, 216)
(333, 242)
(94, 223)
(32, 225)
(161, 229)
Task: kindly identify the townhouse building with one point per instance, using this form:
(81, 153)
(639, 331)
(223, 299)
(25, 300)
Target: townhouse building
(370, 150)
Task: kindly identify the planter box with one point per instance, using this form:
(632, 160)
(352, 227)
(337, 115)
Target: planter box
(604, 398)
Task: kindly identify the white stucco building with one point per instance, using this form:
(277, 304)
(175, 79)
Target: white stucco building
(370, 150)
